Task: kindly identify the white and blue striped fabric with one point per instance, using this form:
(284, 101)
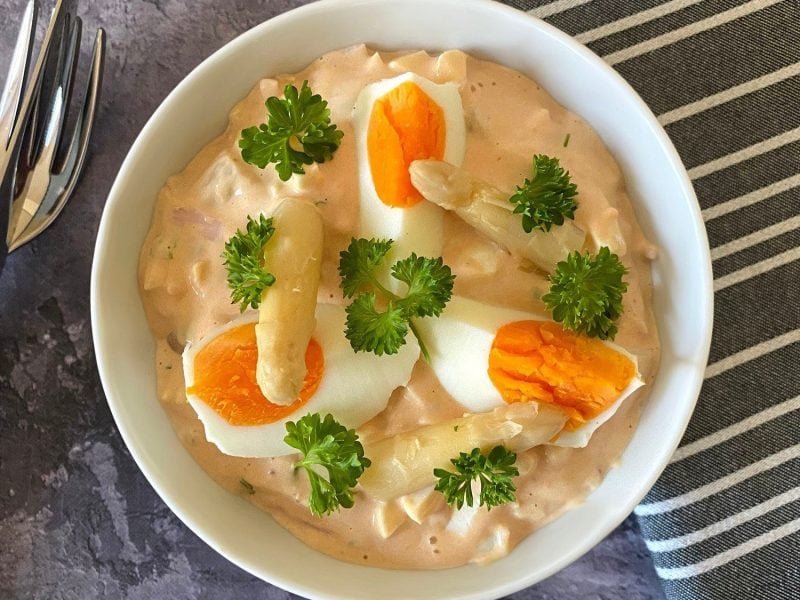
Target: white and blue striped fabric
(723, 76)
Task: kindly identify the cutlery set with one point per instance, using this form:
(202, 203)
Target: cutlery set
(44, 135)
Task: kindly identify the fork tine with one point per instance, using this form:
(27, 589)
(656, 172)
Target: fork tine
(68, 69)
(76, 154)
(85, 123)
(11, 99)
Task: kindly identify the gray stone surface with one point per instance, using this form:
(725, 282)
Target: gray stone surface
(77, 518)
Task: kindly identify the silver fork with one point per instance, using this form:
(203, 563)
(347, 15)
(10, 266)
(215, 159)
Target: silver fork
(33, 117)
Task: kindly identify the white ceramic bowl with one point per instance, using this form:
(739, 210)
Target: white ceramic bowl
(196, 111)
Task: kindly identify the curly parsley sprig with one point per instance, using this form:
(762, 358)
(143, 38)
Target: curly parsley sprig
(299, 120)
(586, 293)
(247, 277)
(378, 320)
(547, 198)
(494, 471)
(327, 444)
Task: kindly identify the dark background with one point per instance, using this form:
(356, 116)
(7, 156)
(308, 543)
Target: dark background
(77, 518)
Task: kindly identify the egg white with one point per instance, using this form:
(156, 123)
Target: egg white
(459, 342)
(354, 387)
(418, 228)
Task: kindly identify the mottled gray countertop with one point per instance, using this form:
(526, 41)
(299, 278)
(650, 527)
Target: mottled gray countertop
(77, 518)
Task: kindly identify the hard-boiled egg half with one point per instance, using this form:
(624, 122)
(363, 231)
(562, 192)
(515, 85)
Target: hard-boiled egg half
(486, 355)
(397, 121)
(220, 372)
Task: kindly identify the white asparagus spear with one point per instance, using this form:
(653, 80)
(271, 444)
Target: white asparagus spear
(488, 210)
(286, 313)
(404, 463)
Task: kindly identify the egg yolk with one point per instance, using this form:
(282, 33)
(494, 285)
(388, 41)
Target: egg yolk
(225, 378)
(541, 361)
(405, 125)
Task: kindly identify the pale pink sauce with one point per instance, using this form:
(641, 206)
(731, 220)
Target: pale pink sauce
(509, 118)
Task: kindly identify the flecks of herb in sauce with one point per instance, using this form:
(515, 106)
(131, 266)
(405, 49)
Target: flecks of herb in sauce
(248, 487)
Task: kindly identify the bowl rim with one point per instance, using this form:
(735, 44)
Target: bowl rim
(705, 295)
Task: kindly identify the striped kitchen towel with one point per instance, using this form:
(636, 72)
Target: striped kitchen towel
(723, 76)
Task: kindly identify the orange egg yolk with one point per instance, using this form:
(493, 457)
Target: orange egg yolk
(541, 361)
(405, 125)
(225, 378)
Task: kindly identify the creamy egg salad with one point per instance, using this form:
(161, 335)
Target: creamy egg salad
(402, 304)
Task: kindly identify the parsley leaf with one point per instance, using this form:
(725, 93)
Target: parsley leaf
(247, 278)
(547, 198)
(301, 120)
(430, 285)
(363, 257)
(586, 293)
(370, 330)
(327, 444)
(384, 330)
(494, 472)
